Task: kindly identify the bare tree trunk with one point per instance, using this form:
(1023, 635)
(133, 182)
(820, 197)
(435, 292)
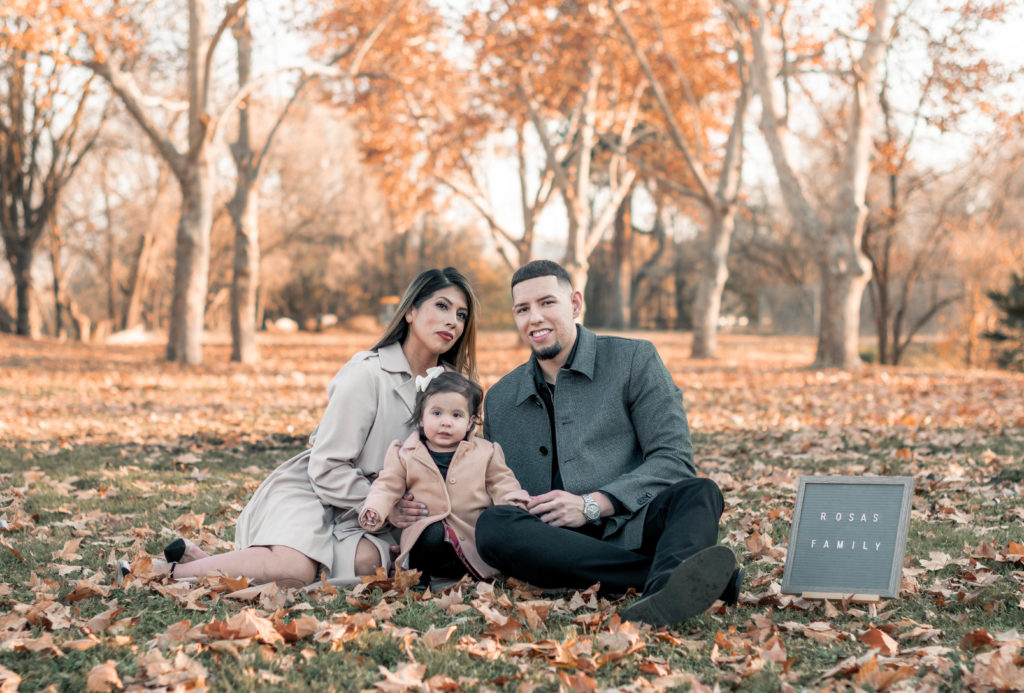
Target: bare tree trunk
(111, 280)
(244, 209)
(878, 288)
(59, 328)
(620, 317)
(577, 261)
(22, 270)
(578, 270)
(81, 321)
(193, 171)
(720, 202)
(137, 282)
(191, 265)
(682, 320)
(839, 327)
(973, 333)
(882, 306)
(261, 305)
(711, 283)
(245, 281)
(192, 255)
(585, 229)
(844, 267)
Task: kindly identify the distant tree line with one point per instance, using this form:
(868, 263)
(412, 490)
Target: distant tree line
(156, 170)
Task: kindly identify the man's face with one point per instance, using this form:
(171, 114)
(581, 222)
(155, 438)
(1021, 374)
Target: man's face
(545, 312)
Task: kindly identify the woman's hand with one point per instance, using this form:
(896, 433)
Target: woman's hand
(406, 512)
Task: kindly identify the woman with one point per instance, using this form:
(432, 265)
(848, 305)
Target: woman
(298, 521)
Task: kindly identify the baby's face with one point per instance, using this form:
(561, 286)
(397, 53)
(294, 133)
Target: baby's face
(446, 420)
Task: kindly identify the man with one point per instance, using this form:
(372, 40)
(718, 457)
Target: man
(595, 431)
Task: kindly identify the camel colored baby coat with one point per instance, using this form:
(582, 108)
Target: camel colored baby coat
(477, 479)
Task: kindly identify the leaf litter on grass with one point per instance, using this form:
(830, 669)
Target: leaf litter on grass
(110, 454)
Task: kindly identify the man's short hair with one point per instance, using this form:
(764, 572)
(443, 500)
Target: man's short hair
(541, 268)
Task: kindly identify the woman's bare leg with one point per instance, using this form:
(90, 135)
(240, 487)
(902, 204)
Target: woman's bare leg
(281, 564)
(367, 558)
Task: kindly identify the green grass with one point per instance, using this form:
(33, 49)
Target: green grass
(121, 500)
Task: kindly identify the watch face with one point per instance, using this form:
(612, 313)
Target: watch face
(591, 509)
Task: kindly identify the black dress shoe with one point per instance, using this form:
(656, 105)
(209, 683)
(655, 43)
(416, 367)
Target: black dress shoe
(693, 586)
(731, 593)
(175, 550)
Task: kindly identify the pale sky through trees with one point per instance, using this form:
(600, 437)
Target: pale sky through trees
(946, 149)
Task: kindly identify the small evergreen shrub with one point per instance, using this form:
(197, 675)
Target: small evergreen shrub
(1010, 333)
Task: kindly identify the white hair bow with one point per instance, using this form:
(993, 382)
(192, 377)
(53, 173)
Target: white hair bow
(423, 380)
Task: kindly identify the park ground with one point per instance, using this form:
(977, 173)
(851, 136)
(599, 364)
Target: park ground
(108, 452)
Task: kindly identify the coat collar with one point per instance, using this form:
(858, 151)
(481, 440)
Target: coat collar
(582, 362)
(392, 360)
(415, 447)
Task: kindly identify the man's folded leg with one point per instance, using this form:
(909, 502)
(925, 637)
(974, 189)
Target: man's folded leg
(522, 546)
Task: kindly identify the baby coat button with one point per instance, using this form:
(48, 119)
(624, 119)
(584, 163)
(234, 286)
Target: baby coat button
(543, 450)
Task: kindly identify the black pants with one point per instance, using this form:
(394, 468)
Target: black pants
(434, 556)
(680, 521)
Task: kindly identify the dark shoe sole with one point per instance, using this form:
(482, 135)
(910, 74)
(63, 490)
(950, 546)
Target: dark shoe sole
(691, 589)
(731, 595)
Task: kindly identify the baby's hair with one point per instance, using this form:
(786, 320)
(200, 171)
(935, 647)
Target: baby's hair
(449, 381)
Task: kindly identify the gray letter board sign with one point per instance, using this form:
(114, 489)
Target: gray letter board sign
(848, 537)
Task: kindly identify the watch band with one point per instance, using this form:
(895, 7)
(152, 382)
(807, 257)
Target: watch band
(591, 510)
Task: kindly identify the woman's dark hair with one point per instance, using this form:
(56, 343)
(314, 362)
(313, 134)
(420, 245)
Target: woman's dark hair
(449, 381)
(462, 355)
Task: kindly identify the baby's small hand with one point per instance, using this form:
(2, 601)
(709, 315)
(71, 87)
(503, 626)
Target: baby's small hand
(370, 517)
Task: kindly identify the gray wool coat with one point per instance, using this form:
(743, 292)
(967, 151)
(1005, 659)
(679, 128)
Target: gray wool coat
(621, 428)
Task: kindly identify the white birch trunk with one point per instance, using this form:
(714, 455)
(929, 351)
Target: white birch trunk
(707, 304)
(245, 282)
(845, 270)
(244, 209)
(191, 266)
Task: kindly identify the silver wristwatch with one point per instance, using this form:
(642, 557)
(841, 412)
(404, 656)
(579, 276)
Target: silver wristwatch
(591, 510)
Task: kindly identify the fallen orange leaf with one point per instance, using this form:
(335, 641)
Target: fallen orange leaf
(302, 627)
(436, 637)
(103, 677)
(881, 641)
(975, 640)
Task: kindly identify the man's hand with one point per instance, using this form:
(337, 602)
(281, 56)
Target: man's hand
(558, 509)
(406, 512)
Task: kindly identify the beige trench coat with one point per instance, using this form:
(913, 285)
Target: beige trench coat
(306, 502)
(477, 479)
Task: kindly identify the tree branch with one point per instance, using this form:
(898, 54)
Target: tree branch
(231, 13)
(125, 87)
(675, 132)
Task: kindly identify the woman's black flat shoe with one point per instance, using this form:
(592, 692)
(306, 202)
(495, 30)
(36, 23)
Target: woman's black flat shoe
(174, 551)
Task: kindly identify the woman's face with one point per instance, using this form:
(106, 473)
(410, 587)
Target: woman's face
(438, 322)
